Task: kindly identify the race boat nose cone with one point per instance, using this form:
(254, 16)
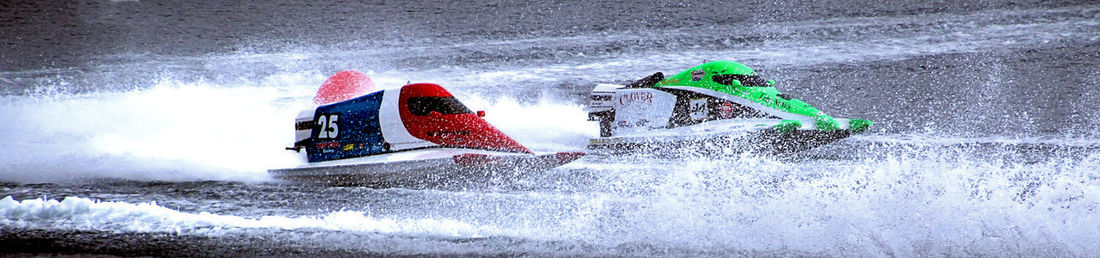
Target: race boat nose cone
(342, 86)
(859, 125)
(431, 113)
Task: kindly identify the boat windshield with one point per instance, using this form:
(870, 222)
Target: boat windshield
(746, 80)
(422, 106)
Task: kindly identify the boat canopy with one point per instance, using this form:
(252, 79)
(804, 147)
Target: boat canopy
(746, 80)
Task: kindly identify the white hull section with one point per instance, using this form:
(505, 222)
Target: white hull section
(393, 129)
(742, 134)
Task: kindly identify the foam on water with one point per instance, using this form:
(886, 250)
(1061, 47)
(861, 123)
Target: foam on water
(926, 138)
(907, 202)
(172, 131)
(198, 130)
(86, 214)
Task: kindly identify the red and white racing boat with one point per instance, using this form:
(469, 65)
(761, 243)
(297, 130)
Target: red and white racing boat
(414, 135)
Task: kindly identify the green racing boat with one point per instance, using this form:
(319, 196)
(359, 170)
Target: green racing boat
(720, 104)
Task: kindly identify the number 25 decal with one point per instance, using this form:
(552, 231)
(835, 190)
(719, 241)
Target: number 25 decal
(329, 129)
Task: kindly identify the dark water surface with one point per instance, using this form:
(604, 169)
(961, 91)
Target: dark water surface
(146, 128)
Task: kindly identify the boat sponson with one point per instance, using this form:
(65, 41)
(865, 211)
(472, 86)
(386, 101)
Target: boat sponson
(764, 142)
(423, 173)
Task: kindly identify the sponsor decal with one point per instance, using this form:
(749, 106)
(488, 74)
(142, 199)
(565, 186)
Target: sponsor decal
(349, 147)
(606, 141)
(774, 102)
(473, 159)
(325, 145)
(448, 132)
(725, 110)
(698, 109)
(672, 80)
(639, 96)
(303, 125)
(627, 124)
(601, 97)
(698, 74)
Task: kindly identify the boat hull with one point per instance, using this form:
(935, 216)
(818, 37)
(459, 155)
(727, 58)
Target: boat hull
(763, 142)
(424, 168)
(721, 136)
